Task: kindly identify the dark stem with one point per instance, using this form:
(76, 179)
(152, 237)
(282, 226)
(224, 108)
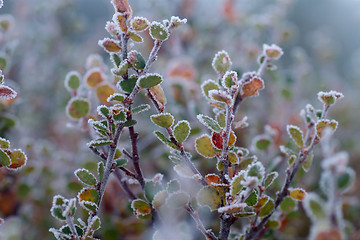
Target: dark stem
(226, 221)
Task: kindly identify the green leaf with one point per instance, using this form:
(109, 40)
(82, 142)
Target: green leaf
(4, 143)
(135, 37)
(220, 117)
(321, 124)
(121, 69)
(120, 116)
(121, 162)
(116, 60)
(159, 199)
(164, 120)
(296, 134)
(140, 108)
(158, 31)
(209, 122)
(210, 197)
(346, 179)
(3, 63)
(137, 60)
(129, 84)
(178, 199)
(57, 212)
(100, 170)
(314, 207)
(77, 108)
(151, 189)
(307, 163)
(229, 79)
(85, 176)
(269, 206)
(140, 207)
(262, 142)
(221, 62)
(99, 142)
(4, 159)
(165, 140)
(204, 146)
(270, 178)
(149, 80)
(235, 186)
(103, 111)
(116, 97)
(256, 170)
(298, 194)
(246, 162)
(244, 214)
(207, 86)
(252, 199)
(72, 81)
(173, 186)
(288, 204)
(139, 24)
(182, 131)
(130, 123)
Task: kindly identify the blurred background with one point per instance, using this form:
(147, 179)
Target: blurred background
(47, 39)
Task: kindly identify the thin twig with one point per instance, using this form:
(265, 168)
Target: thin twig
(209, 235)
(71, 225)
(124, 185)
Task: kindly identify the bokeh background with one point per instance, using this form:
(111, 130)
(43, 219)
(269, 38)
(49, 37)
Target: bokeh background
(47, 39)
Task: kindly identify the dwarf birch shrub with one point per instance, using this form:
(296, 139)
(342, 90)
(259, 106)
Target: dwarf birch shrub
(238, 192)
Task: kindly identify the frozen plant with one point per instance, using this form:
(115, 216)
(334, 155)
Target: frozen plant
(237, 189)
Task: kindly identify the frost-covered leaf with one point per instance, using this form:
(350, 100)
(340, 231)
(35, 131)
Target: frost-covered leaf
(100, 170)
(18, 159)
(210, 197)
(217, 139)
(136, 60)
(4, 159)
(159, 199)
(158, 94)
(140, 207)
(4, 143)
(72, 81)
(130, 123)
(298, 194)
(121, 69)
(204, 146)
(7, 92)
(77, 108)
(149, 80)
(57, 213)
(233, 208)
(220, 96)
(261, 202)
(103, 92)
(158, 31)
(269, 206)
(93, 77)
(139, 24)
(212, 179)
(207, 86)
(165, 140)
(314, 207)
(235, 185)
(288, 204)
(88, 195)
(272, 51)
(221, 62)
(252, 87)
(270, 178)
(135, 37)
(178, 199)
(176, 21)
(244, 214)
(246, 162)
(182, 131)
(121, 162)
(85, 176)
(256, 170)
(296, 134)
(121, 117)
(252, 199)
(220, 118)
(261, 142)
(110, 45)
(330, 97)
(233, 158)
(173, 186)
(209, 122)
(116, 97)
(151, 189)
(229, 79)
(183, 171)
(99, 142)
(3, 62)
(322, 124)
(120, 18)
(141, 108)
(164, 120)
(103, 111)
(346, 179)
(308, 162)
